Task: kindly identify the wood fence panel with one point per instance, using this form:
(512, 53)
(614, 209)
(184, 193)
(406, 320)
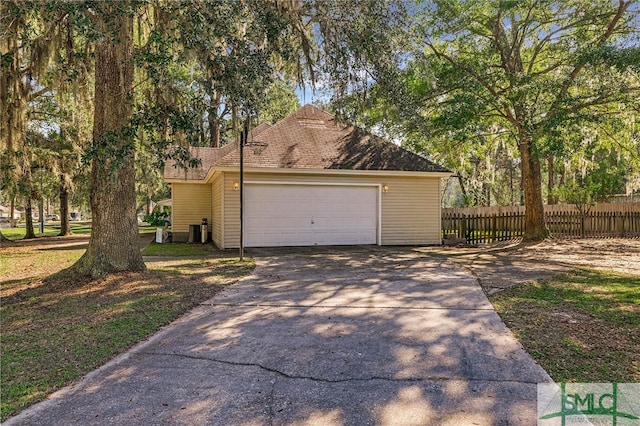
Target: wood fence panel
(479, 228)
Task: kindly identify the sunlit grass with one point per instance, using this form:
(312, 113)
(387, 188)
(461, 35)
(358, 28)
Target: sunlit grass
(582, 326)
(178, 249)
(35, 263)
(52, 229)
(20, 232)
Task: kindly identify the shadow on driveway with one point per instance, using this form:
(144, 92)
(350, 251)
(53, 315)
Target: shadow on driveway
(323, 336)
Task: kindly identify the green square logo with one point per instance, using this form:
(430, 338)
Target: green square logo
(616, 404)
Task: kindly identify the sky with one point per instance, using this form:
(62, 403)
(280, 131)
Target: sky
(306, 95)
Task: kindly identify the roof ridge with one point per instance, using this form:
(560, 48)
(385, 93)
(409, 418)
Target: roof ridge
(259, 129)
(289, 118)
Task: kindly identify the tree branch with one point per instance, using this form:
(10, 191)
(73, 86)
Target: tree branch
(32, 95)
(622, 8)
(466, 69)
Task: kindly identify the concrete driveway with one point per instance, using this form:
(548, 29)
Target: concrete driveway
(324, 336)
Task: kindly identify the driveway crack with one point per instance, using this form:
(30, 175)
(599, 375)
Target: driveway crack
(324, 380)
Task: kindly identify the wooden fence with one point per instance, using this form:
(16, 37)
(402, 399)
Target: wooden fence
(548, 208)
(562, 223)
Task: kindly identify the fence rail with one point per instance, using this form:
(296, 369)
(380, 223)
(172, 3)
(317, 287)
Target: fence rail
(548, 208)
(489, 228)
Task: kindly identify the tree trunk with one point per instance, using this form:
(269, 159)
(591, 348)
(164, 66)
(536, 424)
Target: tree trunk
(214, 130)
(41, 216)
(522, 202)
(114, 243)
(512, 197)
(65, 226)
(551, 199)
(12, 210)
(2, 237)
(28, 211)
(534, 228)
(215, 119)
(486, 194)
(463, 189)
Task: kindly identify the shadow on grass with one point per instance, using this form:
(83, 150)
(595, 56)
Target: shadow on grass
(71, 246)
(340, 336)
(57, 328)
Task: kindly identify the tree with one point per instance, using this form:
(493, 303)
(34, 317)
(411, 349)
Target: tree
(40, 65)
(596, 176)
(525, 68)
(599, 168)
(222, 55)
(23, 57)
(114, 242)
(280, 102)
(243, 55)
(68, 162)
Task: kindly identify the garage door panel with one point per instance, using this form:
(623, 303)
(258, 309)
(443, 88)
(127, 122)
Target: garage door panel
(303, 209)
(299, 215)
(343, 238)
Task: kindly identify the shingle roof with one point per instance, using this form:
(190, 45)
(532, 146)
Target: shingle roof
(208, 157)
(256, 130)
(313, 139)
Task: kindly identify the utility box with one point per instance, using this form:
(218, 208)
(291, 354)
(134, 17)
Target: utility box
(159, 232)
(204, 231)
(194, 234)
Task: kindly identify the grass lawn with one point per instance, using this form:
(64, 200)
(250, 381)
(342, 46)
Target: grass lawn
(18, 233)
(56, 330)
(582, 326)
(52, 229)
(178, 249)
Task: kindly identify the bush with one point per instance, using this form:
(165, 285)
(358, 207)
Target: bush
(157, 218)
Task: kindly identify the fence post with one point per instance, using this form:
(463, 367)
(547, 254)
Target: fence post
(494, 225)
(462, 226)
(621, 224)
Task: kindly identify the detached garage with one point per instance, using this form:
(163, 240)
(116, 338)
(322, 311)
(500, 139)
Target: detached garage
(310, 181)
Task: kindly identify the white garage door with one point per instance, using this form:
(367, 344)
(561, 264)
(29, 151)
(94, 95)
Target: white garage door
(306, 215)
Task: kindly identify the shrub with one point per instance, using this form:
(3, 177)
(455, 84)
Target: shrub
(157, 218)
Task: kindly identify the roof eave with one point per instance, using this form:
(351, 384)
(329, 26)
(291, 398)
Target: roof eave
(344, 172)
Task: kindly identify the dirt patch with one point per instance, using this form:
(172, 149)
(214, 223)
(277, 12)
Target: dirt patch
(619, 255)
(504, 265)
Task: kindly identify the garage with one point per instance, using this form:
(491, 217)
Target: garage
(294, 214)
(309, 180)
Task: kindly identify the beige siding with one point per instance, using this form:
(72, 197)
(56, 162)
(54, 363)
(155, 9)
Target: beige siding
(216, 210)
(411, 211)
(190, 203)
(410, 208)
(231, 211)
